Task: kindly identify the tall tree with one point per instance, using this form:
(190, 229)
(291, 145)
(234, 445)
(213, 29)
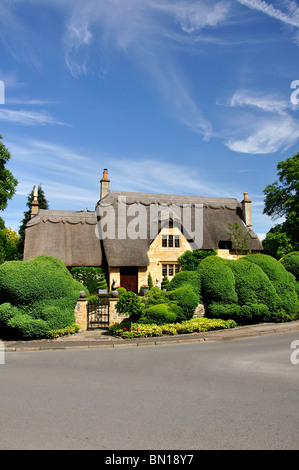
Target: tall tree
(8, 183)
(282, 200)
(43, 204)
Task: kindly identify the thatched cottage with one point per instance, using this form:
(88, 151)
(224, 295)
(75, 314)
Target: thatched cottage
(132, 234)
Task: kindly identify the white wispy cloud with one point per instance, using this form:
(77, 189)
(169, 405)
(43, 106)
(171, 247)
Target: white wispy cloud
(290, 17)
(29, 118)
(264, 126)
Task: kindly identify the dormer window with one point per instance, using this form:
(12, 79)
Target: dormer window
(170, 241)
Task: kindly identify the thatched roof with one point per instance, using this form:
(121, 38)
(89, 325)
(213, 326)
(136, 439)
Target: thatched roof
(218, 213)
(67, 235)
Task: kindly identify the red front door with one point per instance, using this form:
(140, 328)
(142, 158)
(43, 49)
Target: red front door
(129, 278)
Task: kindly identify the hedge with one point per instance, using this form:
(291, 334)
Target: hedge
(186, 298)
(291, 263)
(36, 296)
(217, 281)
(281, 280)
(160, 314)
(191, 278)
(252, 285)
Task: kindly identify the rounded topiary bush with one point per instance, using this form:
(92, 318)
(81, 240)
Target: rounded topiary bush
(160, 314)
(252, 285)
(224, 311)
(36, 296)
(191, 278)
(186, 298)
(217, 281)
(291, 263)
(281, 280)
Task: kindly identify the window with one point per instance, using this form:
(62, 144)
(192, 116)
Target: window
(225, 245)
(170, 269)
(164, 241)
(170, 241)
(164, 270)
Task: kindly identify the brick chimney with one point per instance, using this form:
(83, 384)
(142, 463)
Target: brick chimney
(246, 209)
(34, 204)
(104, 184)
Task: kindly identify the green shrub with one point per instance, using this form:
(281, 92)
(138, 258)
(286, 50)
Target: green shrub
(291, 263)
(155, 296)
(190, 260)
(158, 314)
(164, 283)
(191, 278)
(283, 283)
(224, 311)
(253, 285)
(36, 296)
(217, 281)
(186, 298)
(129, 304)
(88, 276)
(254, 313)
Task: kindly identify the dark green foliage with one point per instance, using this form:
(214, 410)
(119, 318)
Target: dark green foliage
(224, 311)
(252, 284)
(281, 281)
(186, 298)
(291, 263)
(217, 281)
(88, 276)
(164, 283)
(102, 283)
(254, 313)
(36, 296)
(191, 278)
(190, 260)
(8, 183)
(129, 304)
(156, 296)
(150, 281)
(159, 314)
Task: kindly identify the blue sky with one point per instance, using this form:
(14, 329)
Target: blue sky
(172, 96)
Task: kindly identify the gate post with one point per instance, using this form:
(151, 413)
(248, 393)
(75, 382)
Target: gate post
(81, 313)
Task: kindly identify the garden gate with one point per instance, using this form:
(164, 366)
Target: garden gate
(98, 313)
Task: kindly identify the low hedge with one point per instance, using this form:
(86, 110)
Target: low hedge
(159, 314)
(195, 325)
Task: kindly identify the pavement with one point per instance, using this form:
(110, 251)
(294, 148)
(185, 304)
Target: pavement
(100, 338)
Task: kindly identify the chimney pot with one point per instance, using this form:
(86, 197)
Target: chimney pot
(104, 184)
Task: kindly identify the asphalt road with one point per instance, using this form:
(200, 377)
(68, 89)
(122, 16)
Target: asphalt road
(241, 394)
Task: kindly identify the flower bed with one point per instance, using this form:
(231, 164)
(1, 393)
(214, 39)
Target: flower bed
(195, 325)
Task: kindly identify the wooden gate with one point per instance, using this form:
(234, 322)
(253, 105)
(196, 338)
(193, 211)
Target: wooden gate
(98, 313)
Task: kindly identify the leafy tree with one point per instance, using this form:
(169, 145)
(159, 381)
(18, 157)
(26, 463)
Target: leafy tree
(238, 238)
(8, 183)
(282, 200)
(190, 260)
(8, 245)
(43, 204)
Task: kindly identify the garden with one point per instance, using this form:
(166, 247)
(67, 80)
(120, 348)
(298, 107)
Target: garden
(38, 297)
(253, 289)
